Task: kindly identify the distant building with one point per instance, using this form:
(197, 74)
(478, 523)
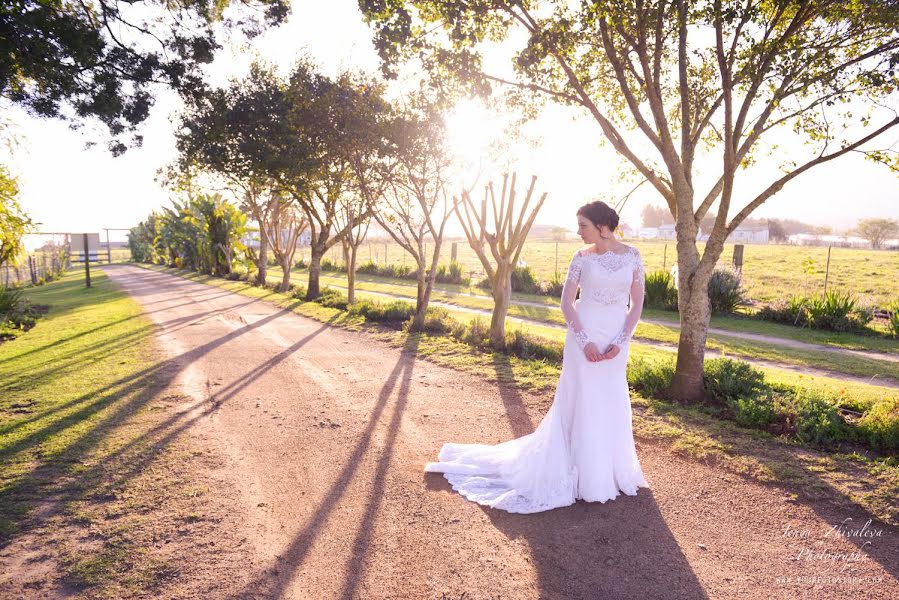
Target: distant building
(626, 230)
(741, 235)
(666, 232)
(843, 241)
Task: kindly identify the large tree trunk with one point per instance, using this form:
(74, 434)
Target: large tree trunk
(315, 270)
(423, 298)
(502, 294)
(262, 262)
(693, 304)
(688, 384)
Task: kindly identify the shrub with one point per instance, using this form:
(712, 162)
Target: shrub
(754, 411)
(523, 280)
(554, 286)
(300, 264)
(726, 293)
(660, 291)
(527, 346)
(893, 317)
(437, 321)
(650, 376)
(329, 265)
(11, 302)
(330, 298)
(833, 311)
(879, 426)
(729, 380)
(818, 420)
(475, 333)
(368, 268)
(451, 273)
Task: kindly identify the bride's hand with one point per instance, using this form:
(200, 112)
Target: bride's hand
(592, 352)
(611, 352)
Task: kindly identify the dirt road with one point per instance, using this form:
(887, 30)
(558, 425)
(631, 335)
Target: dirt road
(322, 435)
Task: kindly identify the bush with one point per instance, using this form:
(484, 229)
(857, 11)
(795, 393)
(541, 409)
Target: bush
(755, 412)
(437, 321)
(730, 380)
(331, 298)
(394, 271)
(395, 311)
(893, 317)
(650, 376)
(879, 426)
(526, 346)
(11, 300)
(554, 286)
(660, 291)
(833, 311)
(523, 280)
(726, 293)
(452, 273)
(329, 265)
(818, 420)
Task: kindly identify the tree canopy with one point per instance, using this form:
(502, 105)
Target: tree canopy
(668, 81)
(100, 58)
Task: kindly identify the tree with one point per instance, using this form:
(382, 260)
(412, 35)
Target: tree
(417, 206)
(14, 223)
(203, 233)
(142, 240)
(219, 134)
(877, 231)
(356, 231)
(102, 58)
(648, 74)
(776, 231)
(285, 223)
(654, 216)
(505, 243)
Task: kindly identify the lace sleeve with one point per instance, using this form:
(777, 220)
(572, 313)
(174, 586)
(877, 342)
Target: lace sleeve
(636, 309)
(569, 290)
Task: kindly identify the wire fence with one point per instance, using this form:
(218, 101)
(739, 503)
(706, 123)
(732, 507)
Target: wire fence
(34, 268)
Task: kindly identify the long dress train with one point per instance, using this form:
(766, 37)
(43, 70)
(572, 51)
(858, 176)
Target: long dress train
(584, 446)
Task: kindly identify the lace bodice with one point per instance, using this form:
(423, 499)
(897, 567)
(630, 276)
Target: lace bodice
(610, 279)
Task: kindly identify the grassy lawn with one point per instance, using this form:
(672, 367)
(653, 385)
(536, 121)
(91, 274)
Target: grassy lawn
(478, 298)
(770, 271)
(852, 479)
(90, 460)
(730, 345)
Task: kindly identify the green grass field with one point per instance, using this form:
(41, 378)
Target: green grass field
(89, 456)
(770, 271)
(731, 344)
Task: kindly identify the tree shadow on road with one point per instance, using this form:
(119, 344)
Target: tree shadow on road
(272, 582)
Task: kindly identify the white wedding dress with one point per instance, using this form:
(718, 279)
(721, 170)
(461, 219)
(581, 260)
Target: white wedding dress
(584, 446)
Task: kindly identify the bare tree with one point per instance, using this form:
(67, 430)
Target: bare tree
(505, 243)
(284, 226)
(352, 218)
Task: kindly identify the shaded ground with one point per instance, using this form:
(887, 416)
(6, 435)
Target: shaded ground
(316, 438)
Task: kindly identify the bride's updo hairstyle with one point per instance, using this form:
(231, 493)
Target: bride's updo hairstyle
(599, 213)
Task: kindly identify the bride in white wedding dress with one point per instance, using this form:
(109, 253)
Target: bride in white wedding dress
(584, 446)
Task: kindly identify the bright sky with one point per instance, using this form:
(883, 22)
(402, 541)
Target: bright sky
(66, 187)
